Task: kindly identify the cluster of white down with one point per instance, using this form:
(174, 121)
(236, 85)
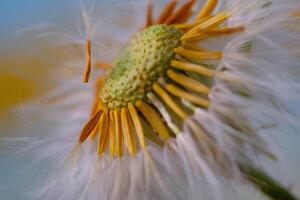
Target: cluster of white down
(262, 63)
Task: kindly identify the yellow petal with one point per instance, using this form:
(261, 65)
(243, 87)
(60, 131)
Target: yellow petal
(169, 101)
(112, 136)
(137, 125)
(89, 127)
(188, 82)
(128, 131)
(207, 9)
(103, 132)
(119, 135)
(198, 54)
(154, 119)
(187, 96)
(193, 68)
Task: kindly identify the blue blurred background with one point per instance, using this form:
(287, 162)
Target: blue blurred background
(17, 60)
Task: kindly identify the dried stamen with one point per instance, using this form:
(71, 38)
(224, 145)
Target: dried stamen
(88, 65)
(89, 127)
(149, 20)
(168, 10)
(185, 8)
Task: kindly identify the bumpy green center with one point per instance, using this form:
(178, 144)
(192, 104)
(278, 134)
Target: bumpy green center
(144, 60)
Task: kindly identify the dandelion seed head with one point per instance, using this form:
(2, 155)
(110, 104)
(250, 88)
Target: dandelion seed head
(162, 59)
(186, 101)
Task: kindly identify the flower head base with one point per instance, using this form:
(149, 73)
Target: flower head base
(144, 61)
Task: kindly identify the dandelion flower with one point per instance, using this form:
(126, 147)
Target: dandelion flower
(189, 100)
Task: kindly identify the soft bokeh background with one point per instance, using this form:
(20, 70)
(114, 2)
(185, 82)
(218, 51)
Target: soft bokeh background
(25, 67)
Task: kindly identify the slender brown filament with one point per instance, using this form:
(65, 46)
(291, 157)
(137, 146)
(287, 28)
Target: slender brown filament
(168, 10)
(185, 8)
(88, 64)
(149, 20)
(184, 17)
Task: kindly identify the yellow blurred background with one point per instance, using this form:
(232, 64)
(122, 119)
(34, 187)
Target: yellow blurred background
(21, 78)
(22, 75)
